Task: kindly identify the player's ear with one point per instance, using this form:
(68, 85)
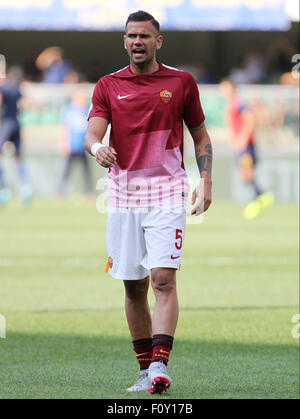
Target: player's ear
(159, 41)
(124, 38)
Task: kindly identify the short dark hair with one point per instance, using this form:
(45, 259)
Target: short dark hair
(141, 16)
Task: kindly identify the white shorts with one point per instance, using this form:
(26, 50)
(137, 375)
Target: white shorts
(138, 241)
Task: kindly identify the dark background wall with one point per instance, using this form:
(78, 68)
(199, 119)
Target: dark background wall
(106, 48)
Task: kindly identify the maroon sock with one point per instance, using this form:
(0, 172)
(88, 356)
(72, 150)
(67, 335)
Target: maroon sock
(162, 345)
(143, 350)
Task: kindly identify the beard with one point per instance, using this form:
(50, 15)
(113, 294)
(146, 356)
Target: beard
(142, 59)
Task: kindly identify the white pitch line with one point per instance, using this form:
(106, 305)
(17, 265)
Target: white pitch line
(215, 261)
(47, 236)
(233, 261)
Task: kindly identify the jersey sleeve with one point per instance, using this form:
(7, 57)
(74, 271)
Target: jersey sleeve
(192, 114)
(99, 105)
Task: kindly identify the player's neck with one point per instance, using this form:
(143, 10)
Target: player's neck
(148, 68)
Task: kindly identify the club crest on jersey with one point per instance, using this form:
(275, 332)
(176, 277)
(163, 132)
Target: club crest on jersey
(165, 95)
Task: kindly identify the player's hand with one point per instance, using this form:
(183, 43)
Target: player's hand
(201, 197)
(106, 157)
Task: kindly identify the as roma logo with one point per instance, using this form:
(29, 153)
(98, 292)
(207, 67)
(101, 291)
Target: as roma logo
(165, 96)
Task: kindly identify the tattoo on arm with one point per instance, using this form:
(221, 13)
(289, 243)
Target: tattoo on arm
(208, 149)
(204, 161)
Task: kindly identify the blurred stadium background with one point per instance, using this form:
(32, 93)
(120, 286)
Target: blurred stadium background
(62, 320)
(252, 41)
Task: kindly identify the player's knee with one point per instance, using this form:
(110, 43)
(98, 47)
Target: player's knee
(163, 281)
(136, 289)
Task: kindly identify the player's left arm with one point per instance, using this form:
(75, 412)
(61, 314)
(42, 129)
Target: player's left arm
(202, 195)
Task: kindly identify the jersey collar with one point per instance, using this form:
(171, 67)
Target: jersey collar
(126, 72)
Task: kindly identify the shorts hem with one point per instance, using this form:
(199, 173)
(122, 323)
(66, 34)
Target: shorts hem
(164, 265)
(128, 277)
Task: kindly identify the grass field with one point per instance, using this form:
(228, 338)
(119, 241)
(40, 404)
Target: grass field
(66, 332)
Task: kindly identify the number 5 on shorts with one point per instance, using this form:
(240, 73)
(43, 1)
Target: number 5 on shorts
(178, 242)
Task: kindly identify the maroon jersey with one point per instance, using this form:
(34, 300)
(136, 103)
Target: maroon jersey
(146, 113)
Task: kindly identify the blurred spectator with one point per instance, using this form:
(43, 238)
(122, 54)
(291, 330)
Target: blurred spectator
(280, 55)
(239, 73)
(72, 77)
(74, 118)
(10, 96)
(53, 65)
(255, 66)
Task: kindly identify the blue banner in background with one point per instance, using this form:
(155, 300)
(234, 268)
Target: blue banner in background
(172, 14)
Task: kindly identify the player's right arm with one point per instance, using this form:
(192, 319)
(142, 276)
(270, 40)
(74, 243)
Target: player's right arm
(97, 127)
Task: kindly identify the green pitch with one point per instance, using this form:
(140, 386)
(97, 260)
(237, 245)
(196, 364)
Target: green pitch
(66, 332)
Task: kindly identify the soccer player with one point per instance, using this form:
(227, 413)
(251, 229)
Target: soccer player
(10, 96)
(241, 124)
(72, 140)
(146, 104)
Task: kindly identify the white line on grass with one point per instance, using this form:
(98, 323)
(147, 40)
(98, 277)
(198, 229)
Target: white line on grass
(47, 236)
(215, 261)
